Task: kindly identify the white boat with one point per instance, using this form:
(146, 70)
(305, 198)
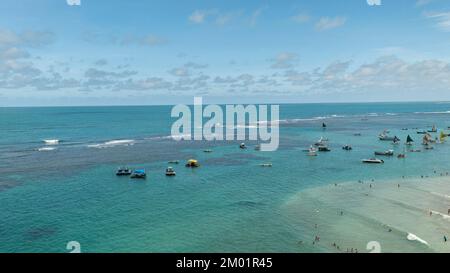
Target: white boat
(312, 151)
(373, 161)
(170, 171)
(51, 141)
(321, 142)
(386, 153)
(242, 146)
(266, 165)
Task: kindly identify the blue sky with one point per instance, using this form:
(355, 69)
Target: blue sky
(164, 52)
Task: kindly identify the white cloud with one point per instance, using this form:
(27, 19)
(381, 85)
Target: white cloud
(26, 38)
(73, 2)
(179, 72)
(327, 23)
(255, 16)
(284, 60)
(442, 19)
(374, 2)
(225, 18)
(124, 39)
(199, 16)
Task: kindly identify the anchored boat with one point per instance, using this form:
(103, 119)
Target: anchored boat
(385, 153)
(170, 171)
(373, 161)
(312, 151)
(123, 171)
(138, 174)
(192, 163)
(347, 148)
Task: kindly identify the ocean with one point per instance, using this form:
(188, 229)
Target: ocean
(69, 192)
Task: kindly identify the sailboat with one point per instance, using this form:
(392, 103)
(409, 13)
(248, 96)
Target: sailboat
(426, 140)
(385, 137)
(442, 137)
(433, 130)
(409, 140)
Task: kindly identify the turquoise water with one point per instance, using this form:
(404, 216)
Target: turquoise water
(230, 204)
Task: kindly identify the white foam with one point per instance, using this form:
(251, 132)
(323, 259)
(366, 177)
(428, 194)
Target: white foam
(444, 216)
(113, 143)
(413, 237)
(442, 112)
(441, 195)
(51, 141)
(46, 149)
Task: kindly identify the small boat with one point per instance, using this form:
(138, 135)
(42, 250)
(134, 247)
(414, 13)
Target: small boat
(51, 141)
(242, 146)
(266, 165)
(312, 151)
(409, 140)
(138, 174)
(385, 153)
(321, 142)
(415, 151)
(373, 161)
(404, 129)
(433, 130)
(429, 148)
(170, 171)
(192, 163)
(421, 132)
(357, 134)
(207, 151)
(385, 137)
(401, 156)
(324, 149)
(122, 171)
(174, 162)
(347, 148)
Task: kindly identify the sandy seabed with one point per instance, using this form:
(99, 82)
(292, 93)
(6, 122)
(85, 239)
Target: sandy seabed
(404, 215)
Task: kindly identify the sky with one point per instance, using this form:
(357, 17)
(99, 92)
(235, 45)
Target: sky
(117, 52)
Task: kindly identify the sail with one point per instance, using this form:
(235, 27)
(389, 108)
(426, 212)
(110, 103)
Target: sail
(409, 139)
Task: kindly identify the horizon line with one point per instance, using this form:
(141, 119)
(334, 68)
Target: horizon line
(259, 103)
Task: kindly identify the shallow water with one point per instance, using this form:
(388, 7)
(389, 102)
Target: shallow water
(230, 203)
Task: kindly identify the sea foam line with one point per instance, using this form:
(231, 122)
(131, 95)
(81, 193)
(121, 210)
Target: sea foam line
(113, 143)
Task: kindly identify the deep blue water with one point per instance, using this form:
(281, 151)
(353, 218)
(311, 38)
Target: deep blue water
(230, 203)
